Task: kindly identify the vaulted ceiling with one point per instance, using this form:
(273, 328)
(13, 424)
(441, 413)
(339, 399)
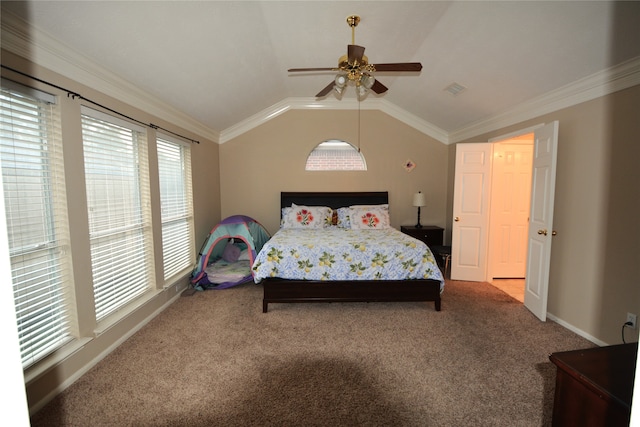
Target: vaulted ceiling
(223, 63)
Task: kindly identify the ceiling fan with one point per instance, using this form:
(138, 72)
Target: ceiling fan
(354, 67)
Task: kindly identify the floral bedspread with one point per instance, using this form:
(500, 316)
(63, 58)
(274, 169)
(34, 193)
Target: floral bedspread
(345, 254)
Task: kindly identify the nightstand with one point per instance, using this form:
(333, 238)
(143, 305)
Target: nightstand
(430, 234)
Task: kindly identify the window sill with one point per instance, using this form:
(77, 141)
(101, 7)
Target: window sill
(181, 279)
(41, 367)
(126, 311)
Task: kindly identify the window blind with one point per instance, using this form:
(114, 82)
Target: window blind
(176, 200)
(37, 224)
(117, 181)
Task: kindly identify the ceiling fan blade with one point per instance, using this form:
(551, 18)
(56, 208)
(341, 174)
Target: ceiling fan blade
(295, 70)
(326, 90)
(355, 53)
(401, 66)
(379, 87)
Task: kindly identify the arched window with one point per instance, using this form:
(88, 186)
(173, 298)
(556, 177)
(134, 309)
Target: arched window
(335, 155)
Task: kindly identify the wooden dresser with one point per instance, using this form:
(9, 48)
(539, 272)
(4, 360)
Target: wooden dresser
(594, 386)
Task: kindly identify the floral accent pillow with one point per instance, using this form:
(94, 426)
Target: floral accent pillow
(306, 217)
(344, 219)
(369, 218)
(383, 206)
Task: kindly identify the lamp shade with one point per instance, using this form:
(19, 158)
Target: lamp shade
(418, 199)
(367, 80)
(341, 80)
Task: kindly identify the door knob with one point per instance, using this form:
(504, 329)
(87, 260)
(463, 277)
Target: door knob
(456, 219)
(554, 232)
(542, 232)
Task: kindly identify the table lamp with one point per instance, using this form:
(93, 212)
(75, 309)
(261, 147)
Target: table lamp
(418, 201)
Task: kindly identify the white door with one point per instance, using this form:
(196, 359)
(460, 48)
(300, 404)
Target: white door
(510, 205)
(541, 219)
(469, 234)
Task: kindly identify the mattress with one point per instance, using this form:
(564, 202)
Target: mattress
(222, 274)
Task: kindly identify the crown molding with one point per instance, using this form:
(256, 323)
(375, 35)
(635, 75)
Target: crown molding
(416, 122)
(619, 77)
(333, 104)
(40, 48)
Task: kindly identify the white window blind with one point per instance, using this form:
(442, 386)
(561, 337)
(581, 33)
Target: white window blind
(176, 200)
(116, 171)
(37, 224)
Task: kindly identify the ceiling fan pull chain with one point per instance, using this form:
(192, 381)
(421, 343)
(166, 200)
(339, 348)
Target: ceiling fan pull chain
(358, 97)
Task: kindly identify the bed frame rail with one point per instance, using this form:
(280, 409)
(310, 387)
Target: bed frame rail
(286, 291)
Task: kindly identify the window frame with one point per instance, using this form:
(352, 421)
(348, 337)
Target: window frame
(178, 253)
(34, 193)
(120, 274)
(324, 158)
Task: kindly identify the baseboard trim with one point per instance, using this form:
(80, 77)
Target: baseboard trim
(80, 372)
(578, 331)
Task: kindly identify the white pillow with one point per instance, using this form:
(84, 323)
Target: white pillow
(344, 220)
(307, 217)
(369, 218)
(382, 206)
(244, 255)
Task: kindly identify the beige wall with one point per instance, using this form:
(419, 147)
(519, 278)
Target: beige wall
(596, 255)
(205, 158)
(256, 166)
(595, 259)
(41, 386)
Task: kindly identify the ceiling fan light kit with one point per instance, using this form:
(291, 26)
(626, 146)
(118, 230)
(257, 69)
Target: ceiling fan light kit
(367, 80)
(354, 67)
(340, 83)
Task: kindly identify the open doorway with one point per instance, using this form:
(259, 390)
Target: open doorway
(509, 213)
(471, 226)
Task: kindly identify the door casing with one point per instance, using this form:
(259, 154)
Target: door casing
(479, 272)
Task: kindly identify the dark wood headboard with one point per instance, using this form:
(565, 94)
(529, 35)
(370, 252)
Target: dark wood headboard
(333, 199)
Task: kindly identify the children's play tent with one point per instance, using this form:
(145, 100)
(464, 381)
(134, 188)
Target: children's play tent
(227, 254)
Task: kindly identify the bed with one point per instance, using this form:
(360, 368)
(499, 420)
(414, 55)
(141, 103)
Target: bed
(423, 283)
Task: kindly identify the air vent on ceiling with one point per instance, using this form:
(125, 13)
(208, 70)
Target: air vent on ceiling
(455, 88)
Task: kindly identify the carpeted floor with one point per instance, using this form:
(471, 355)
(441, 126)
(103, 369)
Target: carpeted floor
(214, 359)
